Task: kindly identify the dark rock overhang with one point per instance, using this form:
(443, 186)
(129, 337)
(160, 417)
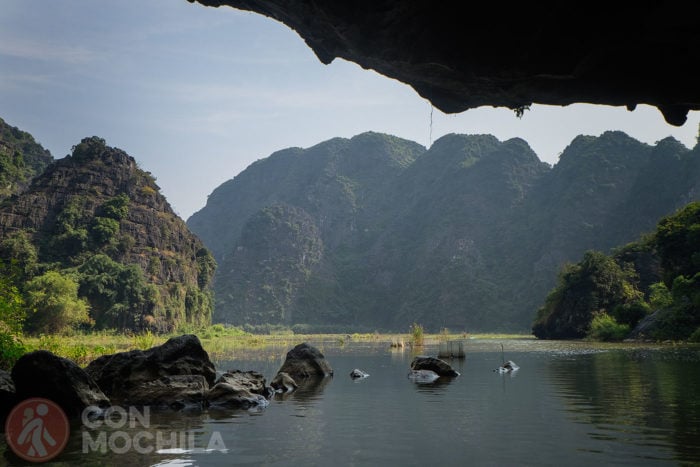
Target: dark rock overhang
(460, 55)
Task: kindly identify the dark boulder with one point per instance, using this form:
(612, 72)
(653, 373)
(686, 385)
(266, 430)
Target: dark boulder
(440, 367)
(43, 374)
(8, 398)
(120, 374)
(175, 392)
(305, 361)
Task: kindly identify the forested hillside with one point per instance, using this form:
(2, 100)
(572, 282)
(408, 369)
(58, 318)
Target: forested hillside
(92, 243)
(21, 159)
(377, 232)
(647, 289)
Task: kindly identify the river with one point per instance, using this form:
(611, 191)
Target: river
(570, 403)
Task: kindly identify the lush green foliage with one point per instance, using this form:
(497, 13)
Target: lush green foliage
(55, 308)
(12, 315)
(21, 158)
(605, 328)
(94, 244)
(675, 302)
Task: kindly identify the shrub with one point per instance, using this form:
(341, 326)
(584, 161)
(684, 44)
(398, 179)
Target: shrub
(11, 348)
(605, 328)
(416, 332)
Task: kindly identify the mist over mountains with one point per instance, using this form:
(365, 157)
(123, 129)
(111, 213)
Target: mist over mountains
(378, 232)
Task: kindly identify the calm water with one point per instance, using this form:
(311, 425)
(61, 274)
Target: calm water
(569, 404)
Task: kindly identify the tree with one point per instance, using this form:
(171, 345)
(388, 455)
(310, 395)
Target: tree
(117, 293)
(55, 307)
(595, 285)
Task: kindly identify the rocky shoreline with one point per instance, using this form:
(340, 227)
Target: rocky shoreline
(173, 376)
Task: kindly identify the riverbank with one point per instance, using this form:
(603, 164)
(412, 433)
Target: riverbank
(229, 343)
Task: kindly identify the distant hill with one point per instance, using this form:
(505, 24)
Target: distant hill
(21, 159)
(377, 232)
(99, 219)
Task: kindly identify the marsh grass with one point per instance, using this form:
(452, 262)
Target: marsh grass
(228, 343)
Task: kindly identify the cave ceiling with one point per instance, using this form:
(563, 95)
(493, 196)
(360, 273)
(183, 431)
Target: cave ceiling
(459, 55)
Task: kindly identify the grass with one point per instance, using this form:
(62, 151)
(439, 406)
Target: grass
(229, 342)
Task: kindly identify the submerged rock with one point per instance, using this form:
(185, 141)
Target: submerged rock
(120, 374)
(239, 389)
(43, 374)
(440, 367)
(249, 380)
(305, 361)
(358, 374)
(422, 376)
(507, 367)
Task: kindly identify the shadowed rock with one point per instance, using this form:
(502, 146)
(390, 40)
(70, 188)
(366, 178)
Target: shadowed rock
(440, 367)
(304, 361)
(7, 397)
(43, 374)
(175, 392)
(120, 374)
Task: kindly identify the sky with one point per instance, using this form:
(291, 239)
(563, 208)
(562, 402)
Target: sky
(196, 94)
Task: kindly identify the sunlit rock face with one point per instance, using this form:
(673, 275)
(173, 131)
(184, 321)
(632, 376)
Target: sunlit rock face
(509, 56)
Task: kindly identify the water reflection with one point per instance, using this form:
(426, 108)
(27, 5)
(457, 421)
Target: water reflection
(308, 389)
(436, 387)
(639, 397)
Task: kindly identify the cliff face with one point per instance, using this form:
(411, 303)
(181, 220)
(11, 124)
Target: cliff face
(376, 232)
(21, 159)
(99, 202)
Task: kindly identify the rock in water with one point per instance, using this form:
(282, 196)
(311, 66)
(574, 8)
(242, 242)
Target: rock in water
(238, 389)
(43, 374)
(283, 382)
(119, 374)
(422, 376)
(174, 392)
(507, 367)
(304, 361)
(358, 374)
(440, 367)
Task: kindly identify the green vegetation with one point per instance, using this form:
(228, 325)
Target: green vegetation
(417, 335)
(55, 308)
(84, 250)
(12, 316)
(21, 159)
(604, 298)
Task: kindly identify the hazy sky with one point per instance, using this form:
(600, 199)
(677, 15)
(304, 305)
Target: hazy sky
(196, 94)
